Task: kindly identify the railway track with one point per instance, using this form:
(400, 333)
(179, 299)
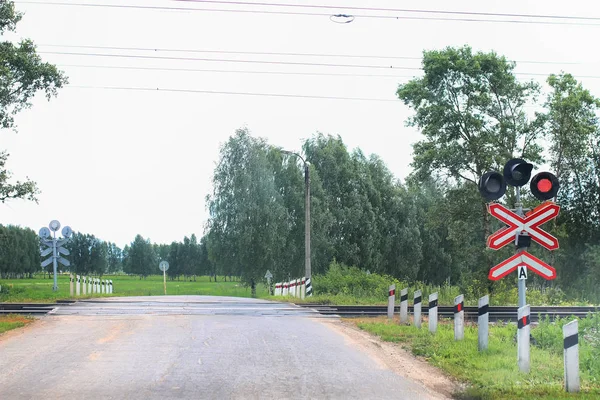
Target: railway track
(30, 308)
(497, 313)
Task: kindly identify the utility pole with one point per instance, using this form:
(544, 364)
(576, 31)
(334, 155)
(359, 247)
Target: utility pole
(307, 269)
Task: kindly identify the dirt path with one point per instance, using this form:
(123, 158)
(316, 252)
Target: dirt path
(393, 357)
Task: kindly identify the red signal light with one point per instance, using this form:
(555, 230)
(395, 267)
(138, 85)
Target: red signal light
(544, 185)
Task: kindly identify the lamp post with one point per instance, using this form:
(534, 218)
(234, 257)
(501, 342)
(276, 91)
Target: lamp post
(307, 271)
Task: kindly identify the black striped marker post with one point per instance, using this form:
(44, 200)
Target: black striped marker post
(523, 323)
(417, 308)
(433, 312)
(89, 285)
(459, 317)
(71, 284)
(78, 286)
(309, 291)
(391, 301)
(303, 289)
(404, 306)
(84, 285)
(571, 353)
(483, 322)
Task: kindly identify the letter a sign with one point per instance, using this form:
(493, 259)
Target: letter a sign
(522, 272)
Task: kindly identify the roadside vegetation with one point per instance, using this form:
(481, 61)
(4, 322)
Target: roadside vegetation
(39, 289)
(494, 374)
(8, 322)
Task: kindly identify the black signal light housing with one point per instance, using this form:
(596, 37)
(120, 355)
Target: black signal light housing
(492, 185)
(517, 172)
(544, 186)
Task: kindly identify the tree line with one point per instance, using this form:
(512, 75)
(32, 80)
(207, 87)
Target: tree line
(474, 115)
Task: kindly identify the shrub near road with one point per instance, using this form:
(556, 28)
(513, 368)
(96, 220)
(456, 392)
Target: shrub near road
(494, 374)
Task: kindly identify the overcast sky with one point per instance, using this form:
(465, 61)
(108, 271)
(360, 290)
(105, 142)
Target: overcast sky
(116, 163)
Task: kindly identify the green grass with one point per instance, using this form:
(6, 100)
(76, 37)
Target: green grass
(494, 374)
(8, 322)
(39, 289)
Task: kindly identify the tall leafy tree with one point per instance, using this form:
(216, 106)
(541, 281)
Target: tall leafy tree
(469, 107)
(22, 75)
(246, 211)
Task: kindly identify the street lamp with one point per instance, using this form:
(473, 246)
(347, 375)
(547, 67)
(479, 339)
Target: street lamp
(306, 218)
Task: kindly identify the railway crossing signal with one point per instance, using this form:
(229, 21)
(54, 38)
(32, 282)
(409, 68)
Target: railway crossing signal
(544, 186)
(517, 225)
(519, 260)
(54, 247)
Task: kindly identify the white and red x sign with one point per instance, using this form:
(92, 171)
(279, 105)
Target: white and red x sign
(522, 258)
(530, 224)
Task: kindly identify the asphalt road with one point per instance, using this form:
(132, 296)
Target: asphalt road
(191, 347)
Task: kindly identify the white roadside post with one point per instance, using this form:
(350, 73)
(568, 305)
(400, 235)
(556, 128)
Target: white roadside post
(78, 286)
(433, 312)
(90, 290)
(277, 288)
(571, 353)
(459, 317)
(483, 322)
(71, 284)
(84, 285)
(391, 301)
(297, 290)
(96, 285)
(303, 289)
(523, 337)
(417, 308)
(285, 289)
(404, 306)
(111, 286)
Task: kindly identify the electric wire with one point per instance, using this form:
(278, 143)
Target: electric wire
(286, 95)
(167, 69)
(280, 12)
(272, 53)
(405, 10)
(296, 63)
(293, 63)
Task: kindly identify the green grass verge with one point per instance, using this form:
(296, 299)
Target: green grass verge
(494, 374)
(39, 289)
(8, 322)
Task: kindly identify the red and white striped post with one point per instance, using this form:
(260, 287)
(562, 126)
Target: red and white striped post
(391, 301)
(523, 333)
(278, 289)
(286, 288)
(459, 317)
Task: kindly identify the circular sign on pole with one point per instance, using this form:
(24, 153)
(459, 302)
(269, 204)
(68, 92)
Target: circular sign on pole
(163, 266)
(67, 231)
(44, 233)
(54, 225)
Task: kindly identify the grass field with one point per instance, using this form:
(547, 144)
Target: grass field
(40, 289)
(494, 374)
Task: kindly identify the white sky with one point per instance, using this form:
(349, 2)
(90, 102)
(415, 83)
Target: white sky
(118, 163)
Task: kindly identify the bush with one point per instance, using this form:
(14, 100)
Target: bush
(351, 281)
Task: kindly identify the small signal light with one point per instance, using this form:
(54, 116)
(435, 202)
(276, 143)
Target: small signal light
(544, 186)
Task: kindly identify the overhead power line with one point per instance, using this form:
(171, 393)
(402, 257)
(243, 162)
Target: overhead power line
(300, 13)
(270, 53)
(169, 90)
(126, 67)
(297, 63)
(365, 66)
(404, 10)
